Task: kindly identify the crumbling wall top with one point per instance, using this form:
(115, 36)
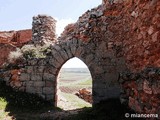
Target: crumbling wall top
(43, 29)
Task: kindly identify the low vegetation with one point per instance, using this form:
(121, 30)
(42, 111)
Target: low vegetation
(15, 55)
(3, 104)
(29, 51)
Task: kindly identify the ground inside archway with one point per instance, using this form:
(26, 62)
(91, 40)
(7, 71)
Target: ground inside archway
(72, 84)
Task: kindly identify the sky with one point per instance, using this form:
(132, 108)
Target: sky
(17, 14)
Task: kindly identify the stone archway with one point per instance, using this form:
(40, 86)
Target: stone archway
(98, 52)
(102, 56)
(64, 51)
(105, 79)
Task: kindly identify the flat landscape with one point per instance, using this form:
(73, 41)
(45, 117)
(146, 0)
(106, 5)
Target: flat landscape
(70, 81)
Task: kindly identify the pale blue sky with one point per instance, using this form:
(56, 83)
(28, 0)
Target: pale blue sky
(17, 14)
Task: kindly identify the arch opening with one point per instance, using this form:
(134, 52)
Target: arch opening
(74, 85)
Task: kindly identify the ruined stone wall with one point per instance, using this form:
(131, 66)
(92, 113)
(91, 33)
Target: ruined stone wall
(123, 36)
(115, 37)
(43, 28)
(141, 90)
(9, 40)
(17, 38)
(138, 29)
(22, 37)
(5, 50)
(97, 47)
(137, 35)
(78, 40)
(36, 75)
(142, 49)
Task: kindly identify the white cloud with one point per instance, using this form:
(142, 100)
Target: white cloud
(61, 24)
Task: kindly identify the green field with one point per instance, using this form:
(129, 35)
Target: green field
(73, 76)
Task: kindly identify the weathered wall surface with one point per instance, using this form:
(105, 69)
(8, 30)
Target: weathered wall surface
(36, 75)
(141, 46)
(12, 39)
(138, 29)
(43, 28)
(22, 37)
(142, 90)
(5, 50)
(17, 38)
(115, 37)
(142, 49)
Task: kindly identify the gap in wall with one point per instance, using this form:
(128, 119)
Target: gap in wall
(74, 86)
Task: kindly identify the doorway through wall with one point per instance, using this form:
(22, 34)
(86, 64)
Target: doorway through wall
(74, 85)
